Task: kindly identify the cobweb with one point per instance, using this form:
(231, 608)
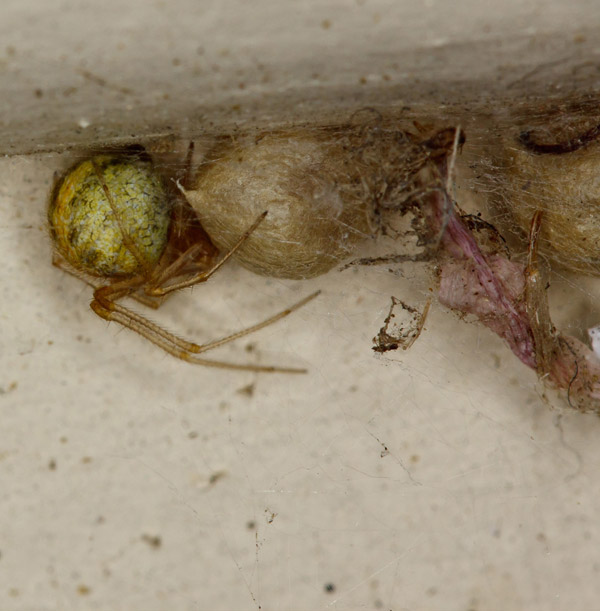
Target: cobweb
(442, 476)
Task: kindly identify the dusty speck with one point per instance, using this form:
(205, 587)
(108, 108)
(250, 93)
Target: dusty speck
(216, 476)
(153, 541)
(12, 386)
(247, 391)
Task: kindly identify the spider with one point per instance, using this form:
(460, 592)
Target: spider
(119, 227)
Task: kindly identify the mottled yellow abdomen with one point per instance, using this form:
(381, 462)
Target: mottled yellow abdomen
(110, 216)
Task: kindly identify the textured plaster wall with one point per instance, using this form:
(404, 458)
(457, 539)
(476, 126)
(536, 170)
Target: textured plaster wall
(436, 479)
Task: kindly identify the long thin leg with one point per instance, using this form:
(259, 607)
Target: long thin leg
(98, 283)
(159, 290)
(183, 261)
(258, 326)
(106, 308)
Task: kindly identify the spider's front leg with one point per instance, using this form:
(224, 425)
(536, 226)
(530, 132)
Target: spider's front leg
(167, 280)
(105, 305)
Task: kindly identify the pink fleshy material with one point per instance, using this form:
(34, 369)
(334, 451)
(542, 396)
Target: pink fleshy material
(494, 289)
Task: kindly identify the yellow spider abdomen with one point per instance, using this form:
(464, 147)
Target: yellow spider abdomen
(116, 234)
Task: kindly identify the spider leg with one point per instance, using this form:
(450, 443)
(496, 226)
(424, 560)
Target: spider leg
(97, 283)
(256, 327)
(158, 288)
(175, 269)
(105, 306)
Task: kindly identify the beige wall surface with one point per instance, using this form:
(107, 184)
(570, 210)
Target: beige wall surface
(432, 479)
(80, 72)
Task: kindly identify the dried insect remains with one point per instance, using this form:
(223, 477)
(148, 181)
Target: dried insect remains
(396, 175)
(326, 190)
(119, 227)
(477, 277)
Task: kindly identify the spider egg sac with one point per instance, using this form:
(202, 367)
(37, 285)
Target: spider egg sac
(566, 188)
(317, 210)
(105, 209)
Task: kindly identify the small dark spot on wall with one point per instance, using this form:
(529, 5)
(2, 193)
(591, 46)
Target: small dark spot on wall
(246, 391)
(153, 541)
(216, 476)
(12, 386)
